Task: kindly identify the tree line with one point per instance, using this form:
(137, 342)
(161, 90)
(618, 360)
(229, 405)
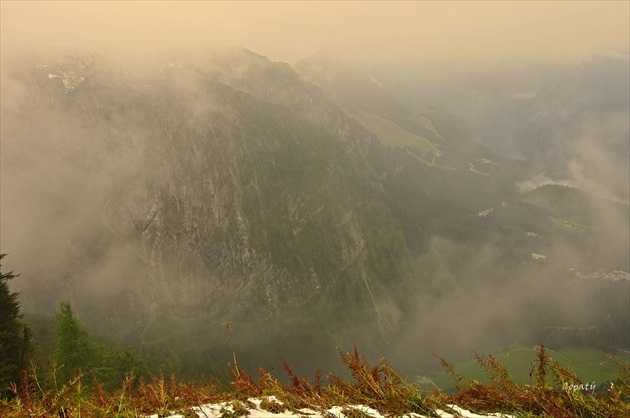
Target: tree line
(74, 350)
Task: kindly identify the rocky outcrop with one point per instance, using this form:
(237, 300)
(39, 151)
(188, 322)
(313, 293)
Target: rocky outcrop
(232, 186)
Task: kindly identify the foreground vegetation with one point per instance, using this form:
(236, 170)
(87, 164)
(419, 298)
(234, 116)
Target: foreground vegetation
(554, 391)
(91, 379)
(586, 362)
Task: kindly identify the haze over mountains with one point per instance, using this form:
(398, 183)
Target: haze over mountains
(316, 205)
(571, 118)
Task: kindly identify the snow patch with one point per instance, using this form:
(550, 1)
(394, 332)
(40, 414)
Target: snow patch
(218, 410)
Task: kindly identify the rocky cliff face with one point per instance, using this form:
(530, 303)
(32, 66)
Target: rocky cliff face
(221, 184)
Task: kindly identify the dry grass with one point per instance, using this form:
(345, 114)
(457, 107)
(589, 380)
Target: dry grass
(549, 394)
(554, 391)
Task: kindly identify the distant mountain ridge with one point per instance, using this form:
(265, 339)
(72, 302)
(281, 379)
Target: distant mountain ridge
(307, 205)
(568, 119)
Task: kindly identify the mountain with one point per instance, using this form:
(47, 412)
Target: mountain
(220, 187)
(569, 120)
(490, 253)
(435, 137)
(164, 195)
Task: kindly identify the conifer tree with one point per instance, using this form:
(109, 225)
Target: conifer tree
(15, 334)
(73, 349)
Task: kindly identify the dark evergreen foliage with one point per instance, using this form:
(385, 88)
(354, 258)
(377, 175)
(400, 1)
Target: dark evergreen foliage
(75, 353)
(15, 334)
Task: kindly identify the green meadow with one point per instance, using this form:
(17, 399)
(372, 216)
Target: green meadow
(588, 363)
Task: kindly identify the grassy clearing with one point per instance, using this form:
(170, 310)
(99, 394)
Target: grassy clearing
(536, 203)
(570, 225)
(393, 135)
(553, 391)
(419, 117)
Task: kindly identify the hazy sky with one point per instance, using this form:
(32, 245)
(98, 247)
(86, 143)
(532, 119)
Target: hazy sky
(287, 31)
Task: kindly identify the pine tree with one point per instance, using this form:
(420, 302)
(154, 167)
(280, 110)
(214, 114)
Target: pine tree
(75, 352)
(73, 349)
(15, 334)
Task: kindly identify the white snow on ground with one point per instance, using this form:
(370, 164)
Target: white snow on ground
(219, 409)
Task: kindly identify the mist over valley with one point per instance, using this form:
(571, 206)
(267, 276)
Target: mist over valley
(454, 187)
(167, 194)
